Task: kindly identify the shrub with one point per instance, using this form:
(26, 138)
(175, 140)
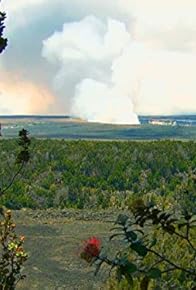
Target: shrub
(12, 253)
(158, 250)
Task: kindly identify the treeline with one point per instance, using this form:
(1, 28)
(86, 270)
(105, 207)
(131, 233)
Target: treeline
(96, 174)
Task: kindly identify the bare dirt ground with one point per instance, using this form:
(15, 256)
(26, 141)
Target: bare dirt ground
(53, 242)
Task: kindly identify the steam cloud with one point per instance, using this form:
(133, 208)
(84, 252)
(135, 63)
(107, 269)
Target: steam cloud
(97, 97)
(128, 58)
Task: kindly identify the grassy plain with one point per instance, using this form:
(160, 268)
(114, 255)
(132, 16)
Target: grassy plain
(78, 130)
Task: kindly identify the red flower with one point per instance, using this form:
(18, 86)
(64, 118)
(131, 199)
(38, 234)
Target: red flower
(92, 249)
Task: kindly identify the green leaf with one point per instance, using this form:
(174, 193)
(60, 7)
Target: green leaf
(154, 273)
(182, 277)
(139, 248)
(127, 266)
(153, 243)
(122, 219)
(170, 229)
(130, 267)
(132, 235)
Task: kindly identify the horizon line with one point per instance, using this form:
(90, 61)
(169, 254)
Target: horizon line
(75, 117)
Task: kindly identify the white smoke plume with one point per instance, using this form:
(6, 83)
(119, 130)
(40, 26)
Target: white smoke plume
(99, 102)
(116, 76)
(92, 46)
(132, 56)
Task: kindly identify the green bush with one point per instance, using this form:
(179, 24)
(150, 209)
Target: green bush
(156, 250)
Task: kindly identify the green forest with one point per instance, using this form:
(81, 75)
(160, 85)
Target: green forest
(95, 174)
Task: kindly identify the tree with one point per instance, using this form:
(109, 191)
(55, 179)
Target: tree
(3, 41)
(12, 253)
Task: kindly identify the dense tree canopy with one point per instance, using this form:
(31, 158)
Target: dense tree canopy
(100, 174)
(3, 41)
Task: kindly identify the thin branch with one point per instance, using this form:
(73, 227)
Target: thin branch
(177, 267)
(186, 238)
(12, 180)
(168, 270)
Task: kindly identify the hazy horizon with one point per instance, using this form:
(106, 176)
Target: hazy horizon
(72, 116)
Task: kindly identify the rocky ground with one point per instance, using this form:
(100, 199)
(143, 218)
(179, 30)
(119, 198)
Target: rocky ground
(53, 241)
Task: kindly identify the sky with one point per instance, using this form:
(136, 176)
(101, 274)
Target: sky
(101, 60)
